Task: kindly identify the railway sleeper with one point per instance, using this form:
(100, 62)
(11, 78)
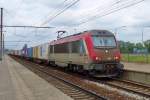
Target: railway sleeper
(133, 87)
(67, 89)
(84, 97)
(72, 91)
(63, 86)
(80, 95)
(73, 94)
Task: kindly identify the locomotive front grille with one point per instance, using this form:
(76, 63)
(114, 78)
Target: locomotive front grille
(103, 66)
(109, 68)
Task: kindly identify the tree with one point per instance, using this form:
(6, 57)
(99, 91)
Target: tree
(147, 45)
(126, 47)
(139, 45)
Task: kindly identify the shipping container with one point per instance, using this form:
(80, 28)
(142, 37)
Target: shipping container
(19, 52)
(43, 51)
(35, 52)
(30, 52)
(16, 52)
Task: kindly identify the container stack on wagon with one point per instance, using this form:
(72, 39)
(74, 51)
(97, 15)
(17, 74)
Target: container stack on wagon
(30, 52)
(35, 52)
(43, 52)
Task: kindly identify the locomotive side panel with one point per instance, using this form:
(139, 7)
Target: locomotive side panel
(51, 53)
(78, 53)
(61, 54)
(69, 53)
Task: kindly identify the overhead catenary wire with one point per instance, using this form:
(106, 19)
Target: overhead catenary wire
(8, 26)
(101, 8)
(54, 11)
(62, 11)
(111, 11)
(17, 41)
(26, 26)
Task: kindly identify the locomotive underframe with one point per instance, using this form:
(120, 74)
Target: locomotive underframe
(106, 69)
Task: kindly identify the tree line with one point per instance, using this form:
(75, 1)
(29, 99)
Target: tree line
(128, 47)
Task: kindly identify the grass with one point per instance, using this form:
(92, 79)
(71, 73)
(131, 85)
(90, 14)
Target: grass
(139, 58)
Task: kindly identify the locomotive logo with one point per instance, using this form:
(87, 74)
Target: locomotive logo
(106, 51)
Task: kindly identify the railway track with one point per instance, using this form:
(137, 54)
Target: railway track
(70, 87)
(137, 88)
(74, 91)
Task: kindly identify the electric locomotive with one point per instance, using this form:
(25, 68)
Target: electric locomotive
(93, 52)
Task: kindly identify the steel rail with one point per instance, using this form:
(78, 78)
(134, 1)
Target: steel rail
(119, 86)
(134, 87)
(99, 97)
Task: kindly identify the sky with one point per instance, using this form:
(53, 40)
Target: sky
(127, 23)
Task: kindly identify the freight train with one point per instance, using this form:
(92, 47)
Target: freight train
(93, 52)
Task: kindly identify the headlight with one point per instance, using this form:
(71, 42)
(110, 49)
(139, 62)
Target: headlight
(116, 58)
(97, 58)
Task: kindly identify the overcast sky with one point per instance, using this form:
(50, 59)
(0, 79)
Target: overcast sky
(31, 12)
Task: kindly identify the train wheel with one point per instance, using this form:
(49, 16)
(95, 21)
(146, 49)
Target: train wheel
(69, 67)
(86, 73)
(74, 68)
(92, 72)
(77, 68)
(66, 69)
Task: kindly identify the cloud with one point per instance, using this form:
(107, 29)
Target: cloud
(31, 12)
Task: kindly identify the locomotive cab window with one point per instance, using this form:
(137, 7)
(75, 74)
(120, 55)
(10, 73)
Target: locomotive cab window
(78, 47)
(104, 41)
(81, 48)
